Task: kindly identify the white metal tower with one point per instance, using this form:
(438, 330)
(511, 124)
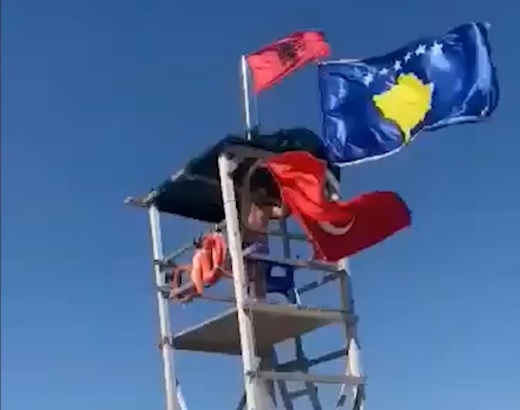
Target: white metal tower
(252, 328)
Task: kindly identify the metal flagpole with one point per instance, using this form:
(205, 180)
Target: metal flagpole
(259, 388)
(246, 98)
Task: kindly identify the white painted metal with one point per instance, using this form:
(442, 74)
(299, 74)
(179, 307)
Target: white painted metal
(170, 380)
(256, 395)
(354, 354)
(254, 391)
(245, 95)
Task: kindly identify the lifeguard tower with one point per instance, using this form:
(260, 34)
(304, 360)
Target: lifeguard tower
(206, 190)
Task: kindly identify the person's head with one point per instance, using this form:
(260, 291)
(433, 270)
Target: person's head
(263, 187)
(259, 196)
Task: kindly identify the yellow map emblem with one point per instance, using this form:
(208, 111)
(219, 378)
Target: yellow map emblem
(406, 103)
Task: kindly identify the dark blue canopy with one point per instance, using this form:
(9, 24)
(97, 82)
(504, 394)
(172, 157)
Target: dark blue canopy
(194, 192)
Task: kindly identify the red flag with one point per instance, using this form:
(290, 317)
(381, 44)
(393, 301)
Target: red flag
(336, 229)
(272, 63)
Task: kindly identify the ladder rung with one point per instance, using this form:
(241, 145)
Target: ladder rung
(164, 264)
(299, 393)
(293, 364)
(299, 376)
(322, 281)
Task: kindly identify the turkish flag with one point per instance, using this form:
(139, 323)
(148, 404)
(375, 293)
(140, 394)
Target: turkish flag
(336, 229)
(274, 62)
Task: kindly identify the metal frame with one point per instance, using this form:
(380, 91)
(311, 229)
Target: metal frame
(353, 348)
(250, 362)
(353, 376)
(260, 373)
(170, 380)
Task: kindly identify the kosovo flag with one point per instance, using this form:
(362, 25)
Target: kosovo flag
(374, 107)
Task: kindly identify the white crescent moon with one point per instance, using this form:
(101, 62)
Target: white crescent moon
(336, 230)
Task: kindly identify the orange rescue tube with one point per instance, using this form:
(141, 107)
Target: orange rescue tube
(207, 266)
(208, 262)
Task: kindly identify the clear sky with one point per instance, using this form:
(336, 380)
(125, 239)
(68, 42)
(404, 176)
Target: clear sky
(104, 99)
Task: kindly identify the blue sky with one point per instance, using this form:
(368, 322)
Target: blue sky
(104, 99)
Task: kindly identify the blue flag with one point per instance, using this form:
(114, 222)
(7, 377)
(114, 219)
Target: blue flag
(374, 107)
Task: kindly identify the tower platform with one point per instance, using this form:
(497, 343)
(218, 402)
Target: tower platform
(272, 324)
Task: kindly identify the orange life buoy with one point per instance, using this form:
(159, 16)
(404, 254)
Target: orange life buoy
(207, 265)
(208, 262)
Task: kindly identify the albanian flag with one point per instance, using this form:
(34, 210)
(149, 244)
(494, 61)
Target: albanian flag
(276, 61)
(336, 229)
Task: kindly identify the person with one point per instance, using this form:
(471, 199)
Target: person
(262, 206)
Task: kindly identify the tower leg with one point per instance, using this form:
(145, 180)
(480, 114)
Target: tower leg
(353, 355)
(170, 379)
(180, 397)
(255, 398)
(353, 350)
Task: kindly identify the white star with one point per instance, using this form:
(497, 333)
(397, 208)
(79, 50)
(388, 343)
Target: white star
(407, 57)
(420, 50)
(342, 92)
(436, 48)
(383, 71)
(368, 78)
(397, 65)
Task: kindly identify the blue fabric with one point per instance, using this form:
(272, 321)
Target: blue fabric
(280, 284)
(283, 284)
(362, 101)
